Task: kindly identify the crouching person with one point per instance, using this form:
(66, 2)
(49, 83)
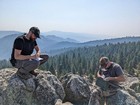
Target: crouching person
(21, 57)
(108, 78)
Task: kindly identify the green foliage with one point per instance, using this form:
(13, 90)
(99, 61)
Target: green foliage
(91, 78)
(137, 70)
(85, 60)
(5, 64)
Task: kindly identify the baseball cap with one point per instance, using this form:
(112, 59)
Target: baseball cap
(35, 31)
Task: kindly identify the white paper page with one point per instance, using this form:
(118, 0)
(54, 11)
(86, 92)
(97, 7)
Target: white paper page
(38, 59)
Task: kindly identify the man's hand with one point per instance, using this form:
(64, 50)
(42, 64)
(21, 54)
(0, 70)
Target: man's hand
(108, 78)
(37, 54)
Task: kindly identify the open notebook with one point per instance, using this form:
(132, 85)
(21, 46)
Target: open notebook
(38, 59)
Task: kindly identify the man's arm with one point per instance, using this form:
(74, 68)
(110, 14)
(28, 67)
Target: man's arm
(37, 51)
(120, 78)
(18, 56)
(98, 74)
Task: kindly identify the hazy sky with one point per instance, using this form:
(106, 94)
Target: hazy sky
(107, 17)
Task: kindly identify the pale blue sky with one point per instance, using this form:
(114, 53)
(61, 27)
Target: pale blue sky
(106, 17)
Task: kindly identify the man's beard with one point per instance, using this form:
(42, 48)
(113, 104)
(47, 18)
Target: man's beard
(32, 39)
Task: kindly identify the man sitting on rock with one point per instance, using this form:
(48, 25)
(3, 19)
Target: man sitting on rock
(108, 78)
(22, 57)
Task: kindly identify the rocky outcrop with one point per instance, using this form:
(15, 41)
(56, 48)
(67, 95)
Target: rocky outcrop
(45, 89)
(76, 88)
(132, 85)
(122, 97)
(59, 102)
(129, 95)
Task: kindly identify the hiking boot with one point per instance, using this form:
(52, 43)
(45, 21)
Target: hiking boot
(23, 75)
(34, 73)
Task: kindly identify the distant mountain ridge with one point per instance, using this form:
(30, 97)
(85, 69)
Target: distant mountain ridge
(60, 39)
(46, 43)
(52, 44)
(5, 33)
(62, 45)
(113, 40)
(82, 37)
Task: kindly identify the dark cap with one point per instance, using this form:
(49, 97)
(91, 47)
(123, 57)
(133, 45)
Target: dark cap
(35, 31)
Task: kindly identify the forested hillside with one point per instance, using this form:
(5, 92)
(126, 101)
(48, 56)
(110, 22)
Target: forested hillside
(86, 60)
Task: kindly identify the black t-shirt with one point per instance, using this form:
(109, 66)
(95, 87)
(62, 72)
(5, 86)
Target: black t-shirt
(26, 46)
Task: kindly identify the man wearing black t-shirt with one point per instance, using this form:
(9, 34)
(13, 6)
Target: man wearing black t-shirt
(22, 57)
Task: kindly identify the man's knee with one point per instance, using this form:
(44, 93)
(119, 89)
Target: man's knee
(45, 57)
(35, 63)
(31, 65)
